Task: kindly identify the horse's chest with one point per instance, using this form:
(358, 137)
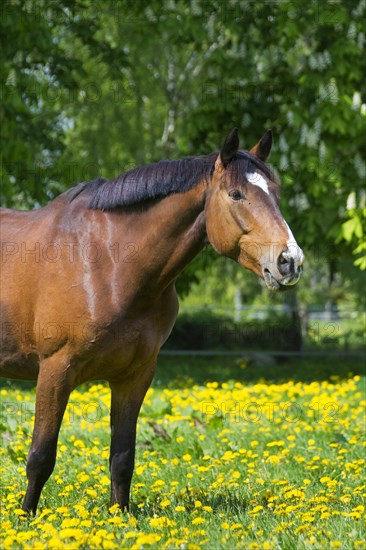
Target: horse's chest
(132, 341)
(146, 332)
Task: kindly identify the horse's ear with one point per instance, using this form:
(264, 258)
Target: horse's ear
(263, 147)
(229, 148)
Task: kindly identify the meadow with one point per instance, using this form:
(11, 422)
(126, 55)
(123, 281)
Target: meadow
(229, 455)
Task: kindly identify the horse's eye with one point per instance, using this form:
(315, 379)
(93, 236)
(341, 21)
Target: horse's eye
(235, 195)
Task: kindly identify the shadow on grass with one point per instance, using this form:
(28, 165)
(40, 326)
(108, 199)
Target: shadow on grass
(177, 371)
(180, 371)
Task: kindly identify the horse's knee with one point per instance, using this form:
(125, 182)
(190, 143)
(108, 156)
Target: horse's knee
(40, 463)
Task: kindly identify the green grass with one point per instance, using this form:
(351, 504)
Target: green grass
(229, 455)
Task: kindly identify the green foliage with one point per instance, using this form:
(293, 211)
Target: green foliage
(354, 230)
(36, 70)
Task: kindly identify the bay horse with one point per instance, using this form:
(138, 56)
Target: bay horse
(87, 284)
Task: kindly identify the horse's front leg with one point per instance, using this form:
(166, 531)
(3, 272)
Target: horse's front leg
(126, 401)
(53, 391)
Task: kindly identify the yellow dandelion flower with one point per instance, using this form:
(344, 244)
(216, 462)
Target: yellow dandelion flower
(70, 533)
(116, 520)
(325, 479)
(207, 508)
(151, 538)
(70, 522)
(131, 535)
(198, 521)
(161, 522)
(86, 523)
(19, 512)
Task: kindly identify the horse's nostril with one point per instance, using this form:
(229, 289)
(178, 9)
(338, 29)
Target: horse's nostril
(286, 264)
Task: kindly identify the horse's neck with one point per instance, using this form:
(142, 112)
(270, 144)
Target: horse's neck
(168, 236)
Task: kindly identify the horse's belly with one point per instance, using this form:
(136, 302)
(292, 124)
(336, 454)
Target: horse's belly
(19, 366)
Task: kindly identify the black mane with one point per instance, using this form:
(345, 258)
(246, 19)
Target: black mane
(161, 179)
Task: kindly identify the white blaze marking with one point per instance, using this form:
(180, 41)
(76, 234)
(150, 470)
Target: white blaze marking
(293, 249)
(291, 238)
(256, 179)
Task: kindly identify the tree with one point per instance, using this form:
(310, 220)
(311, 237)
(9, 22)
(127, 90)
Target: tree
(41, 65)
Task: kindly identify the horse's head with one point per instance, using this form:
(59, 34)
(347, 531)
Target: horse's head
(243, 219)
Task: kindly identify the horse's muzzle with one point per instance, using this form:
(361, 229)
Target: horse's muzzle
(281, 284)
(287, 269)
